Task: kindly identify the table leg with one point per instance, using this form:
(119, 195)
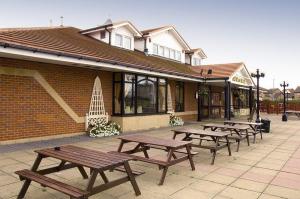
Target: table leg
(83, 173)
(103, 176)
(132, 179)
(163, 176)
(120, 146)
(215, 151)
(228, 145)
(188, 149)
(27, 182)
(92, 180)
(247, 137)
(260, 131)
(174, 135)
(144, 149)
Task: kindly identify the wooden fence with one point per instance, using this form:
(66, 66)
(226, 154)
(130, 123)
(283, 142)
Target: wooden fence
(277, 107)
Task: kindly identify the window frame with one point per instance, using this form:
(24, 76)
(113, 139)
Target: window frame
(121, 40)
(129, 38)
(181, 84)
(122, 87)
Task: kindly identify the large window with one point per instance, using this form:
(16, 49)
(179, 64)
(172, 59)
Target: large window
(179, 97)
(139, 94)
(127, 42)
(119, 40)
(196, 61)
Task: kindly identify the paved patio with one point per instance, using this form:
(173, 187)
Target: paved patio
(269, 169)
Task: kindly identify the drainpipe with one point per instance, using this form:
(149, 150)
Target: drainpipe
(109, 35)
(145, 46)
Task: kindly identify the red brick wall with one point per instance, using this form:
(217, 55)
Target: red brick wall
(27, 110)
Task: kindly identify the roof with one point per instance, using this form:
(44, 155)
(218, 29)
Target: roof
(109, 24)
(218, 70)
(154, 31)
(68, 41)
(297, 90)
(197, 50)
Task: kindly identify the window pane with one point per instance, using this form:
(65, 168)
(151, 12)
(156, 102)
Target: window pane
(172, 54)
(179, 96)
(129, 98)
(117, 98)
(146, 96)
(127, 42)
(161, 51)
(155, 49)
(118, 40)
(162, 98)
(129, 78)
(178, 56)
(167, 52)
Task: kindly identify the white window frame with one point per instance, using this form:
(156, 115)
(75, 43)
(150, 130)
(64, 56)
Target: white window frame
(167, 52)
(124, 38)
(155, 46)
(121, 40)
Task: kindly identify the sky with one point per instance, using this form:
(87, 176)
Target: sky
(263, 34)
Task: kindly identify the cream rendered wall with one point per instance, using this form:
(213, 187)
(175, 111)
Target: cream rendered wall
(96, 35)
(166, 39)
(122, 31)
(139, 44)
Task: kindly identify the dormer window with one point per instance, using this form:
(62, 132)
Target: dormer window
(196, 61)
(123, 41)
(166, 52)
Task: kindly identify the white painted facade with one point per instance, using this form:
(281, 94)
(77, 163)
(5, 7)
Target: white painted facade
(124, 32)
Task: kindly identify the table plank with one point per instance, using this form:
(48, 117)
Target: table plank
(223, 126)
(202, 132)
(144, 139)
(242, 122)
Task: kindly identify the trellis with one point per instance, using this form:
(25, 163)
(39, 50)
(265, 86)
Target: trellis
(97, 110)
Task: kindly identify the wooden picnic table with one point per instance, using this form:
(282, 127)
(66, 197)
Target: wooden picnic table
(255, 126)
(290, 112)
(216, 137)
(241, 132)
(145, 143)
(77, 157)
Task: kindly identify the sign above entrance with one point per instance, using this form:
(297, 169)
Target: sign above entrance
(242, 77)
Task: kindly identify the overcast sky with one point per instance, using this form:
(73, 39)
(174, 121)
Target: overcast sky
(263, 34)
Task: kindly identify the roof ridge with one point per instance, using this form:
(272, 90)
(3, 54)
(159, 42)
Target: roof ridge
(33, 28)
(156, 29)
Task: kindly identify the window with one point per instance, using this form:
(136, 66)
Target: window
(139, 94)
(119, 40)
(178, 56)
(196, 62)
(129, 94)
(102, 34)
(167, 52)
(162, 95)
(179, 97)
(127, 42)
(146, 94)
(160, 50)
(117, 93)
(172, 54)
(155, 49)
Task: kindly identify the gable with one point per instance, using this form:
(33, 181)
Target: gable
(242, 77)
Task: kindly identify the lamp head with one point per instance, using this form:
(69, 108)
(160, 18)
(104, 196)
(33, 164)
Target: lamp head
(253, 75)
(262, 74)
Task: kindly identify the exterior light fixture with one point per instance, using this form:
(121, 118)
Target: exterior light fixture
(257, 75)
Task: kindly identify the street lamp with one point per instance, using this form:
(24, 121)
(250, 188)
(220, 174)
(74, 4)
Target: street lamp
(257, 75)
(284, 116)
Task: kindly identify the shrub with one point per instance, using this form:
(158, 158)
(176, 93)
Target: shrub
(175, 121)
(102, 128)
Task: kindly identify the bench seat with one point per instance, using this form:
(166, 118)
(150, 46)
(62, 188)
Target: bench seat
(45, 181)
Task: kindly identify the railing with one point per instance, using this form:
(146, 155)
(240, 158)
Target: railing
(277, 107)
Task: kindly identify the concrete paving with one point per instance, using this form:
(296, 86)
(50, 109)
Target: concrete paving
(268, 169)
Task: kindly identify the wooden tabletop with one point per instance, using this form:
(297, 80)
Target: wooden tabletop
(241, 122)
(202, 132)
(85, 157)
(290, 111)
(217, 125)
(144, 139)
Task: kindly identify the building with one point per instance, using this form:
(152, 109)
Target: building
(297, 93)
(47, 77)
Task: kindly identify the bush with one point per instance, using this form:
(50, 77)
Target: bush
(103, 129)
(175, 121)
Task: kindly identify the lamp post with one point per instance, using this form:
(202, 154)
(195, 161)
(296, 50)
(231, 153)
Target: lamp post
(284, 116)
(257, 75)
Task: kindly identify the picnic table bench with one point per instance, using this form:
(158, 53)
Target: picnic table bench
(145, 143)
(255, 126)
(241, 132)
(216, 137)
(77, 157)
(291, 112)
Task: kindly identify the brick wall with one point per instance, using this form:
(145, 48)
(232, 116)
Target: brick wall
(27, 110)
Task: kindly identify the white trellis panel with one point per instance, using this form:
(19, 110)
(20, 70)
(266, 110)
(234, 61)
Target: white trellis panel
(97, 109)
(169, 100)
